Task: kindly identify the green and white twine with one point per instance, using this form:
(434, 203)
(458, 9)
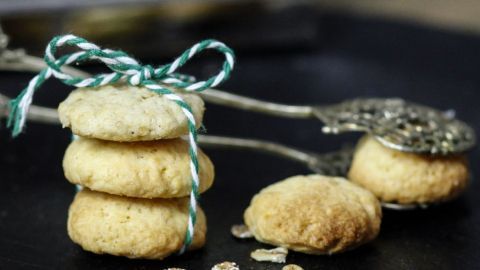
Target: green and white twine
(127, 69)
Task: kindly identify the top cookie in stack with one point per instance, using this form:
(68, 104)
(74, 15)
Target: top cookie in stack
(127, 114)
(130, 155)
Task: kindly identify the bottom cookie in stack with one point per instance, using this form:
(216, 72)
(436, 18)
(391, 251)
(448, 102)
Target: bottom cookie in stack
(132, 227)
(135, 202)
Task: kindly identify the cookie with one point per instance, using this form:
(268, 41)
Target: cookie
(406, 178)
(154, 169)
(314, 214)
(126, 113)
(131, 227)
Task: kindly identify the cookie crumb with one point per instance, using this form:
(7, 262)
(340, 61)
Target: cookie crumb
(276, 255)
(241, 231)
(292, 267)
(226, 266)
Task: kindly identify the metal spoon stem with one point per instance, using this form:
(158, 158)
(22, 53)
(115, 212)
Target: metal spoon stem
(245, 103)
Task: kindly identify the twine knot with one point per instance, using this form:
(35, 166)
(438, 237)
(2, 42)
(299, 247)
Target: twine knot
(144, 73)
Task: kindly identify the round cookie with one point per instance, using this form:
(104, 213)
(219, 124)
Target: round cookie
(395, 176)
(314, 214)
(126, 113)
(131, 227)
(154, 169)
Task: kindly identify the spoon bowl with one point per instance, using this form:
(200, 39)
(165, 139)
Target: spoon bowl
(399, 124)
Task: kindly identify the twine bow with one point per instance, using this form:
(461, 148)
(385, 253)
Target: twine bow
(125, 68)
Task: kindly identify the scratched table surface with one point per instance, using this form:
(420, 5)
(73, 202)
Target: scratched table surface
(354, 57)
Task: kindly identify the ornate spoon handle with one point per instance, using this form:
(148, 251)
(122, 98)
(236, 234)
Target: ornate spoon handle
(17, 60)
(258, 145)
(245, 103)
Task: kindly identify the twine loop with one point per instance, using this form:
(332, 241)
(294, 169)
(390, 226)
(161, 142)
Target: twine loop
(126, 69)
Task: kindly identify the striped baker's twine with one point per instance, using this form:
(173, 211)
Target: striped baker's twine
(125, 68)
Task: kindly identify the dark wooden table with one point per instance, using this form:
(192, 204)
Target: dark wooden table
(355, 58)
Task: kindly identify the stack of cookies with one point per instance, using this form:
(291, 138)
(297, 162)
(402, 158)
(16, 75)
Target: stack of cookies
(135, 170)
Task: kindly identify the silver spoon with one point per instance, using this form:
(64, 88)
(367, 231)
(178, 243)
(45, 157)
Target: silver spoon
(334, 163)
(395, 123)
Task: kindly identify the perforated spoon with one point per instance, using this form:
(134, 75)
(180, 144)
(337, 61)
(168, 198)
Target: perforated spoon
(396, 123)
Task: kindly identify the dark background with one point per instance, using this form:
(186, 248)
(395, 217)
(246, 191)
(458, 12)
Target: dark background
(294, 56)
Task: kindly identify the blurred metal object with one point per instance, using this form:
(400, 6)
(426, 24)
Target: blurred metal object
(36, 113)
(458, 15)
(397, 124)
(18, 60)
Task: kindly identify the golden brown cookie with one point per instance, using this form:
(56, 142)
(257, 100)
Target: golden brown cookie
(395, 176)
(126, 113)
(314, 214)
(131, 227)
(154, 169)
